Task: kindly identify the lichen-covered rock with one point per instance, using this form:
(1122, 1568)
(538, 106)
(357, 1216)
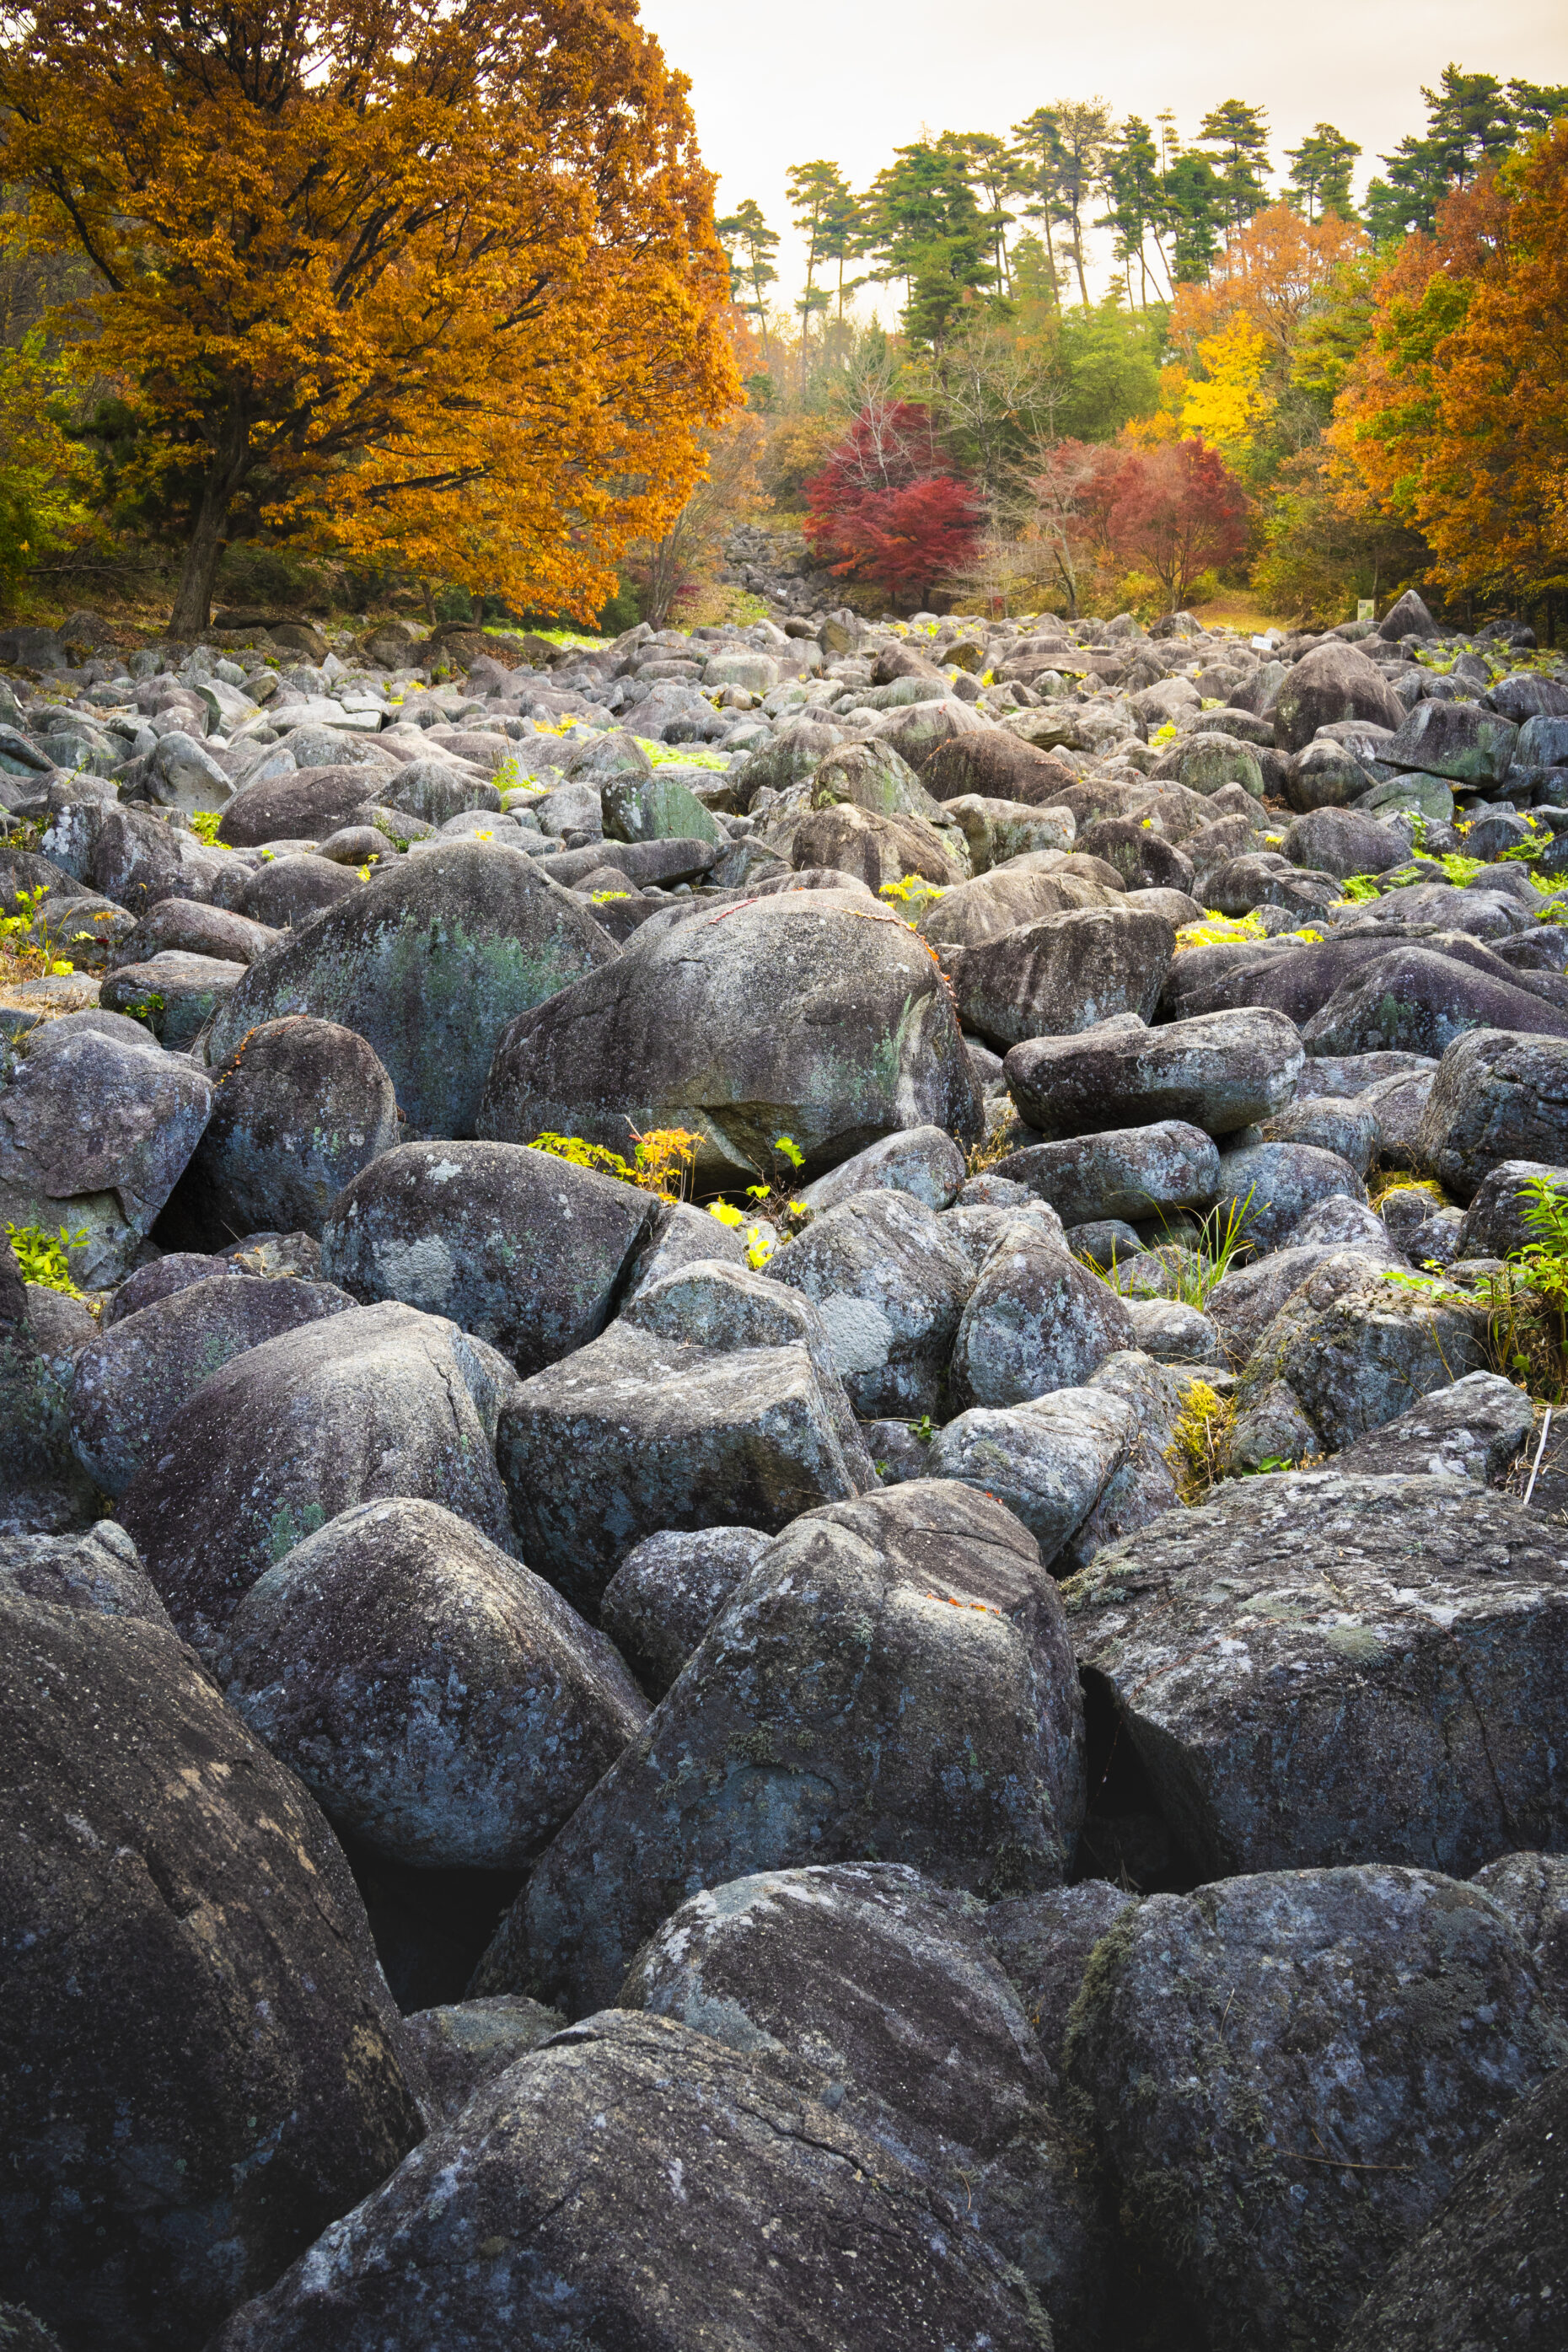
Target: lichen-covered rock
(887, 1984)
(1334, 682)
(922, 1161)
(1496, 1097)
(1317, 1668)
(638, 1432)
(1485, 2274)
(377, 1402)
(1044, 1942)
(1037, 1321)
(1411, 1000)
(1503, 1218)
(134, 1378)
(518, 1246)
(634, 2178)
(1532, 1889)
(98, 1570)
(1130, 1172)
(465, 2044)
(95, 1127)
(892, 1681)
(1050, 1461)
(429, 962)
(1472, 1430)
(889, 1285)
(811, 1015)
(666, 1592)
(1286, 2076)
(1356, 1347)
(438, 1700)
(1348, 1128)
(300, 1108)
(1014, 896)
(176, 995)
(202, 2065)
(1244, 1302)
(1172, 1331)
(44, 1490)
(1219, 1071)
(1063, 975)
(1269, 1187)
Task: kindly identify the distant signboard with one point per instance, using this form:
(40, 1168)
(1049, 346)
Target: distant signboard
(1366, 610)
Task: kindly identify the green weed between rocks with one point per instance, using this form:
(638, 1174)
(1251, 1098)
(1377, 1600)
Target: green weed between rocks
(1199, 1452)
(42, 1256)
(1529, 1328)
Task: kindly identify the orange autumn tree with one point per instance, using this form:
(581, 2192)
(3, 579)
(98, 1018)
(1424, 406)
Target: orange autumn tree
(1456, 417)
(431, 280)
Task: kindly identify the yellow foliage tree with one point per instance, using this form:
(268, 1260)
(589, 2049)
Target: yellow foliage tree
(44, 478)
(429, 278)
(1231, 400)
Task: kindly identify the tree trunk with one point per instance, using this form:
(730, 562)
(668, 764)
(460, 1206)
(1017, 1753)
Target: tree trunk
(194, 596)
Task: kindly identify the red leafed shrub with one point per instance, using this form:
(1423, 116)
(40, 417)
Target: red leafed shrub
(1178, 509)
(888, 507)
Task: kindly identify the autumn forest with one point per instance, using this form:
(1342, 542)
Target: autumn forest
(407, 306)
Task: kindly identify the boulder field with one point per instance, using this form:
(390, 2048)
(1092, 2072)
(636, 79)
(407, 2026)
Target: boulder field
(779, 1566)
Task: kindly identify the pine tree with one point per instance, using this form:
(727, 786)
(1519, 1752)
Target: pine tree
(1194, 208)
(1241, 133)
(1320, 179)
(1131, 179)
(815, 189)
(1472, 123)
(751, 244)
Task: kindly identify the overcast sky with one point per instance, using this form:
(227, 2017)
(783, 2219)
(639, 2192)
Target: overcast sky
(782, 83)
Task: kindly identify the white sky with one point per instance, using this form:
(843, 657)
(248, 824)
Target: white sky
(782, 83)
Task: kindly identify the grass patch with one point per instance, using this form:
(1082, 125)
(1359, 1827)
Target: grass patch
(1199, 1452)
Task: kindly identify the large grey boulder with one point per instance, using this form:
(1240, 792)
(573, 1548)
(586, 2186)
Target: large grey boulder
(1486, 2274)
(439, 1700)
(1132, 1172)
(1317, 1668)
(1064, 973)
(811, 1015)
(1270, 1187)
(306, 805)
(134, 1378)
(1050, 1461)
(1335, 681)
(203, 2067)
(887, 1985)
(1037, 1321)
(95, 1127)
(666, 1592)
(44, 1490)
(1532, 1890)
(874, 849)
(1343, 842)
(98, 1571)
(1411, 1000)
(890, 1283)
(1013, 895)
(922, 1161)
(1219, 1071)
(429, 963)
(1286, 2074)
(1354, 1348)
(636, 2177)
(519, 1247)
(1407, 617)
(1503, 1216)
(1460, 739)
(892, 1681)
(184, 925)
(1244, 1302)
(1474, 1429)
(377, 1402)
(669, 1420)
(1498, 1096)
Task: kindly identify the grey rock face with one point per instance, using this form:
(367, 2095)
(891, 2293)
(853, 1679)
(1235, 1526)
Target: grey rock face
(859, 1040)
(175, 994)
(1272, 1186)
(638, 1432)
(1473, 1430)
(286, 892)
(1037, 1321)
(301, 1106)
(1411, 1000)
(1244, 1303)
(521, 1248)
(1064, 973)
(198, 1977)
(1318, 1668)
(1454, 738)
(1496, 1097)
(44, 1489)
(466, 2043)
(132, 1379)
(1049, 1462)
(1343, 842)
(921, 1161)
(1219, 1071)
(437, 1698)
(1172, 1331)
(377, 1402)
(666, 1592)
(892, 1680)
(889, 1285)
(429, 963)
(1349, 1129)
(98, 1571)
(1485, 2274)
(1044, 1942)
(95, 1127)
(1355, 1348)
(1498, 1220)
(1286, 2075)
(181, 924)
(1013, 896)
(1334, 682)
(633, 2177)
(1130, 1172)
(880, 1981)
(1532, 1889)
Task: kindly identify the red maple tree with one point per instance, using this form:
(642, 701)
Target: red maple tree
(888, 507)
(1179, 510)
